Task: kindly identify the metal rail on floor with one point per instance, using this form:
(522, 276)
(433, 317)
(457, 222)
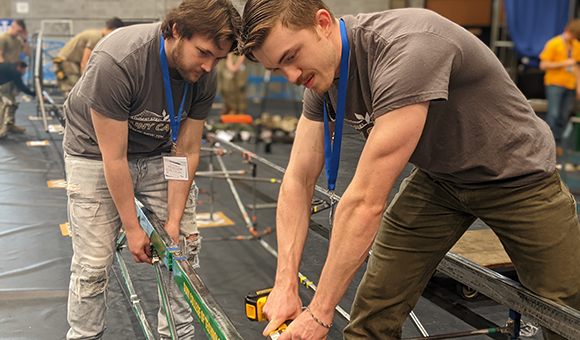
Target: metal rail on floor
(557, 317)
(132, 294)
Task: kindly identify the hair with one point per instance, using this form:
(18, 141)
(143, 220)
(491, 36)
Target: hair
(20, 23)
(573, 26)
(260, 16)
(217, 19)
(115, 23)
(20, 63)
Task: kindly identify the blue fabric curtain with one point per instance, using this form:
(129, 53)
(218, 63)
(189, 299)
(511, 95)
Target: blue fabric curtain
(532, 23)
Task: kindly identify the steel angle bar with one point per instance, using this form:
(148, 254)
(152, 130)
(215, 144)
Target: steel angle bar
(247, 219)
(559, 318)
(246, 178)
(210, 315)
(503, 330)
(37, 79)
(135, 301)
(219, 173)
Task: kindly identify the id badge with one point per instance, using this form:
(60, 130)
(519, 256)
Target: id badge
(175, 168)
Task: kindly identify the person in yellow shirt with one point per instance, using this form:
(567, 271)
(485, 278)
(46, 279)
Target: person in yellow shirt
(559, 60)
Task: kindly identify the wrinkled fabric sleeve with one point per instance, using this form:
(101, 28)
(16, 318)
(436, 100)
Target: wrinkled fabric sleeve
(110, 90)
(411, 69)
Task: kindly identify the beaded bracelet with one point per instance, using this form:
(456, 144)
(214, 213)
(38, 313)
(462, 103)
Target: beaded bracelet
(315, 319)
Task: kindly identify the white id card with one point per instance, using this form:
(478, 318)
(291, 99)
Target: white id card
(175, 168)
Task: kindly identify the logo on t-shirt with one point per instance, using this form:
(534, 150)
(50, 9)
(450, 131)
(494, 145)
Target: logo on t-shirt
(151, 124)
(363, 124)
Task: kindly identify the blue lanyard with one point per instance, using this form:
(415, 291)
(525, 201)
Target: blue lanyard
(569, 50)
(168, 94)
(332, 150)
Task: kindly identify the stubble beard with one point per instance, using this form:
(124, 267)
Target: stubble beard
(179, 62)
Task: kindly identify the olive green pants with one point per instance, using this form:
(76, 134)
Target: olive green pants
(67, 75)
(8, 107)
(536, 223)
(232, 88)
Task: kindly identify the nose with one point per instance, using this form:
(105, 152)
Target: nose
(291, 73)
(208, 66)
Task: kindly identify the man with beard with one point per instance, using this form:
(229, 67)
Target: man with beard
(143, 98)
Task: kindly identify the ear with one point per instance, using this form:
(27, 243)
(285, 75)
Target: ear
(324, 22)
(174, 31)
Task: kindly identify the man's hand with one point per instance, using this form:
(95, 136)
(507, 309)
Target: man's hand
(139, 245)
(23, 35)
(282, 305)
(304, 328)
(173, 230)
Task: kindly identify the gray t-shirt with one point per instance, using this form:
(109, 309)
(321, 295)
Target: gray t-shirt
(124, 81)
(480, 129)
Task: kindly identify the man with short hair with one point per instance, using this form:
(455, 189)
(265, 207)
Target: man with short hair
(142, 99)
(423, 90)
(71, 61)
(559, 60)
(12, 43)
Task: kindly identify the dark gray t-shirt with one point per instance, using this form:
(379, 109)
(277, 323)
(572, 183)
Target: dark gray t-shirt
(480, 129)
(124, 81)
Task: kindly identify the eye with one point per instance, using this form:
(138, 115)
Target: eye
(290, 58)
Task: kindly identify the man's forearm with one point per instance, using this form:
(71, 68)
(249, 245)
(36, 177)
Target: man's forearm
(353, 233)
(550, 65)
(292, 220)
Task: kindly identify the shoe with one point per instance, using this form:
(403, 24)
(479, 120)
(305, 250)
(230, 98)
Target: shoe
(15, 129)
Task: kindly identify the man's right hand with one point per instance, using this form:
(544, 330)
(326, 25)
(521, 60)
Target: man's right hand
(139, 245)
(282, 305)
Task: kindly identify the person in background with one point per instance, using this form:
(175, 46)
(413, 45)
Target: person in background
(232, 83)
(421, 90)
(141, 104)
(12, 73)
(559, 60)
(12, 44)
(71, 61)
